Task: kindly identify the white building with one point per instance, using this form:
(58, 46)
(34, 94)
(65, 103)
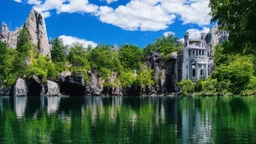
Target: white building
(196, 62)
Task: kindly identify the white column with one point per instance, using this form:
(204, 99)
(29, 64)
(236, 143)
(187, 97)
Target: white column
(206, 71)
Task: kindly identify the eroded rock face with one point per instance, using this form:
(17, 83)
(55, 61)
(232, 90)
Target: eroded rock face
(155, 61)
(214, 37)
(52, 89)
(173, 73)
(4, 33)
(5, 90)
(115, 89)
(35, 24)
(11, 38)
(73, 86)
(97, 84)
(20, 88)
(35, 87)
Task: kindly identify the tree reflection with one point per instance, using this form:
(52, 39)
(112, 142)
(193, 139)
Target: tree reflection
(118, 120)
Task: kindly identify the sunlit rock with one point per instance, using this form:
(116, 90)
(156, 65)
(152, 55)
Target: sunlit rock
(20, 88)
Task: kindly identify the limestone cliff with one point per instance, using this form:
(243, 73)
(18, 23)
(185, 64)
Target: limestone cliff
(35, 24)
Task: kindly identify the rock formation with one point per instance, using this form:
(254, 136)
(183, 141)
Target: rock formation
(72, 85)
(52, 89)
(35, 87)
(97, 84)
(9, 37)
(214, 37)
(5, 91)
(36, 27)
(155, 61)
(20, 88)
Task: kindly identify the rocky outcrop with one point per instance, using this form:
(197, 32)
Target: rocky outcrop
(4, 33)
(11, 38)
(96, 84)
(214, 37)
(5, 90)
(115, 89)
(52, 89)
(20, 88)
(172, 66)
(35, 87)
(72, 86)
(35, 24)
(155, 61)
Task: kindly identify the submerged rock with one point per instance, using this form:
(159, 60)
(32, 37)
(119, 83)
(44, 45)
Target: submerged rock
(52, 89)
(20, 88)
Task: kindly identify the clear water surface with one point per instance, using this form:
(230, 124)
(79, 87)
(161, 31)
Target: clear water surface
(127, 120)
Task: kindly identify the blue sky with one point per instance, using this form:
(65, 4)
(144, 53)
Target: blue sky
(137, 22)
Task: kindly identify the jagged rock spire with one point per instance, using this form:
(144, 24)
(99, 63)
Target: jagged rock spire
(4, 33)
(35, 24)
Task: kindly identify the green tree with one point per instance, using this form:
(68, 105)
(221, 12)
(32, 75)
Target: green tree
(58, 52)
(187, 87)
(238, 70)
(130, 56)
(237, 17)
(164, 45)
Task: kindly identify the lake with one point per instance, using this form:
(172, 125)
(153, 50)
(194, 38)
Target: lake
(127, 120)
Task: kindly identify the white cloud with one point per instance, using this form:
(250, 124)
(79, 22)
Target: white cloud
(166, 34)
(46, 14)
(141, 15)
(144, 15)
(78, 6)
(190, 11)
(34, 2)
(111, 1)
(69, 40)
(204, 30)
(19, 1)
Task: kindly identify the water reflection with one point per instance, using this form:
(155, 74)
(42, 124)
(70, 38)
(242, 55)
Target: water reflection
(20, 104)
(52, 104)
(128, 120)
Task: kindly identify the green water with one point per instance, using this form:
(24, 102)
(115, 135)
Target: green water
(128, 120)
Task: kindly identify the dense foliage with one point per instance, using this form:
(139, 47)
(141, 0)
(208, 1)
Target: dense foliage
(104, 60)
(237, 17)
(164, 45)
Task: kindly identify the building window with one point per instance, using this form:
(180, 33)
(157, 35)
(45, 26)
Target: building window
(199, 52)
(203, 52)
(188, 52)
(194, 72)
(193, 69)
(193, 52)
(196, 52)
(202, 71)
